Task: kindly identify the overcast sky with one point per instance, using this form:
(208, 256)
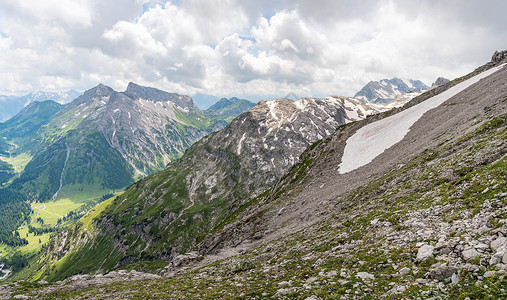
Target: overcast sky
(257, 49)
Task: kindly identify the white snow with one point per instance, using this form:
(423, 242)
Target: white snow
(240, 143)
(408, 83)
(300, 104)
(373, 139)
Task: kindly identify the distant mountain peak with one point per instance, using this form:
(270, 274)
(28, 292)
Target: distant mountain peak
(226, 102)
(292, 96)
(136, 91)
(440, 81)
(385, 90)
(99, 90)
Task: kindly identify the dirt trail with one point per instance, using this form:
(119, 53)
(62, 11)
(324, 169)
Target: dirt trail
(44, 210)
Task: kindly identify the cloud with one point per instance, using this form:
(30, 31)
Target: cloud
(241, 48)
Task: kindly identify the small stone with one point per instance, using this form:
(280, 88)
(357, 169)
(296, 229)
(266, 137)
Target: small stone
(454, 278)
(424, 252)
(485, 190)
(488, 274)
(282, 292)
(313, 297)
(404, 271)
(331, 274)
(481, 247)
(365, 275)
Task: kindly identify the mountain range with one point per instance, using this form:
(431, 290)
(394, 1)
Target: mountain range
(385, 90)
(11, 105)
(104, 140)
(169, 212)
(317, 198)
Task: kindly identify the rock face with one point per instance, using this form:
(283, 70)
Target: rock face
(440, 81)
(218, 175)
(385, 90)
(499, 56)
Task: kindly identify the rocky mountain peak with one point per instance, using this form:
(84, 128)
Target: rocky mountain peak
(100, 90)
(385, 90)
(136, 91)
(499, 56)
(440, 81)
(224, 102)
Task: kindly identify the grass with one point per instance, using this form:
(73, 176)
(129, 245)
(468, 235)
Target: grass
(87, 219)
(52, 211)
(33, 240)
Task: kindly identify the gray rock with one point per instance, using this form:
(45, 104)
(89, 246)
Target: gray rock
(488, 274)
(481, 247)
(454, 278)
(424, 252)
(496, 259)
(365, 275)
(499, 242)
(442, 273)
(470, 253)
(404, 271)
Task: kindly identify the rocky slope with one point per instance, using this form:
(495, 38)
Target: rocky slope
(168, 212)
(385, 90)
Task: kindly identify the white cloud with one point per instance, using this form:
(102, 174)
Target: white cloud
(233, 47)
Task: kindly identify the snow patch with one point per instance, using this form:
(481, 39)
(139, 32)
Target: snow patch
(408, 83)
(240, 143)
(373, 139)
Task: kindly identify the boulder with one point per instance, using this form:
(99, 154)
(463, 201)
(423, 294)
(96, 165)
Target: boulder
(442, 273)
(425, 252)
(470, 253)
(498, 242)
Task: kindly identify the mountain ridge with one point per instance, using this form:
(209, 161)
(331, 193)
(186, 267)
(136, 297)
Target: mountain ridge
(385, 90)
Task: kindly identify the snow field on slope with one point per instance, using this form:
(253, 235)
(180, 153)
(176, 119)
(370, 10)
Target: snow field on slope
(373, 139)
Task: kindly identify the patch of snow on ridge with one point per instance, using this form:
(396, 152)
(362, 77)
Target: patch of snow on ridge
(373, 139)
(240, 144)
(408, 83)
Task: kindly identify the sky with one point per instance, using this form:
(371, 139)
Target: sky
(255, 49)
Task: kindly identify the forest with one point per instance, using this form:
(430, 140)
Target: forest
(13, 212)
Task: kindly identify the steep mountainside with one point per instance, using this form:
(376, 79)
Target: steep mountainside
(425, 217)
(386, 90)
(104, 140)
(29, 119)
(166, 213)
